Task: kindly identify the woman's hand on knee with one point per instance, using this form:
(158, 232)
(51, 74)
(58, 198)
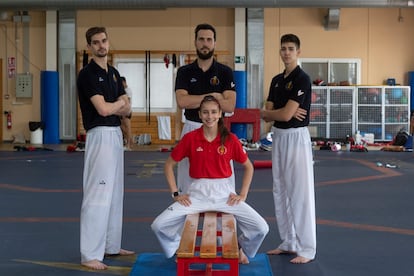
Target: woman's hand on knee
(235, 199)
(183, 199)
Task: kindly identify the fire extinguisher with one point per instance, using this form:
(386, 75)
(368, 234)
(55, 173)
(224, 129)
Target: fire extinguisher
(9, 119)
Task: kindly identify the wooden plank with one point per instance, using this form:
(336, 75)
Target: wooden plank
(208, 247)
(229, 235)
(188, 237)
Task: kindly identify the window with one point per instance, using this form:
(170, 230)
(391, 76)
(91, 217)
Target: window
(155, 93)
(333, 71)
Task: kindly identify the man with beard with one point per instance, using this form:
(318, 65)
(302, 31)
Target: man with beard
(205, 76)
(102, 100)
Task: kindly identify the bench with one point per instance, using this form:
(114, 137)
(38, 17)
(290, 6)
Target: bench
(198, 245)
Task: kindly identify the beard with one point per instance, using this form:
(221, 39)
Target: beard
(205, 56)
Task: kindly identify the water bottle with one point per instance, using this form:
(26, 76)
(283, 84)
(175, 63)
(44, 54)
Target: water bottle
(347, 143)
(358, 138)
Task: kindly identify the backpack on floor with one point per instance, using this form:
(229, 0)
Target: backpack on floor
(401, 138)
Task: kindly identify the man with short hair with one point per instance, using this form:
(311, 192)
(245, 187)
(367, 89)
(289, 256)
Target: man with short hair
(288, 105)
(102, 101)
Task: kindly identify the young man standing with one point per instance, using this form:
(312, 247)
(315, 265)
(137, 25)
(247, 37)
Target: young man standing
(194, 81)
(288, 105)
(102, 101)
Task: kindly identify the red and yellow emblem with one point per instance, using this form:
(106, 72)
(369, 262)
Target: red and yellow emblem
(289, 86)
(214, 80)
(222, 150)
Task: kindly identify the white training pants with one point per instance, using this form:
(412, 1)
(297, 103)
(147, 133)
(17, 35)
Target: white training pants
(210, 195)
(103, 191)
(293, 190)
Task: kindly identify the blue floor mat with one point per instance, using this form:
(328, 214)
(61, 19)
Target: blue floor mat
(154, 264)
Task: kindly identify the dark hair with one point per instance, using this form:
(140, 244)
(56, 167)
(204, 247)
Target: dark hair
(204, 26)
(222, 129)
(123, 78)
(290, 38)
(93, 31)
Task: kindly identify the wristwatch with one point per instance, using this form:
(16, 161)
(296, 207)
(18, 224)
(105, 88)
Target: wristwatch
(175, 194)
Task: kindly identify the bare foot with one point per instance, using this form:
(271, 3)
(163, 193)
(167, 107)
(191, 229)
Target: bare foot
(300, 260)
(122, 252)
(278, 251)
(95, 264)
(243, 258)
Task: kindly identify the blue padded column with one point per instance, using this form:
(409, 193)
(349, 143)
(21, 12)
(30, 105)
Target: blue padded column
(49, 83)
(240, 77)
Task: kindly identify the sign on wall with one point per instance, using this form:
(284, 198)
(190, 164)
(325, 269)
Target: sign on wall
(11, 67)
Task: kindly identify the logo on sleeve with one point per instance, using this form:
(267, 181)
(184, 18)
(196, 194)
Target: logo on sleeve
(300, 93)
(232, 85)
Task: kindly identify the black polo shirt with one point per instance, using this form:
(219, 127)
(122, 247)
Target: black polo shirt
(93, 80)
(217, 78)
(297, 87)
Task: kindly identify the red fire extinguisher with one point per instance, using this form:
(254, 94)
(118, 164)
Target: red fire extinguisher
(9, 119)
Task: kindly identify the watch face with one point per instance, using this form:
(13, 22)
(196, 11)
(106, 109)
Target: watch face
(175, 194)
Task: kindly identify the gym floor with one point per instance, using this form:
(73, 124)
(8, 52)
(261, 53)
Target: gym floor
(363, 206)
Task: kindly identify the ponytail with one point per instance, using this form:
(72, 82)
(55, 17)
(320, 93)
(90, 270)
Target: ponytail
(223, 131)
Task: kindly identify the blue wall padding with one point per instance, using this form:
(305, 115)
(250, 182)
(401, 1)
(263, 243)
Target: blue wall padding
(49, 85)
(240, 77)
(411, 83)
